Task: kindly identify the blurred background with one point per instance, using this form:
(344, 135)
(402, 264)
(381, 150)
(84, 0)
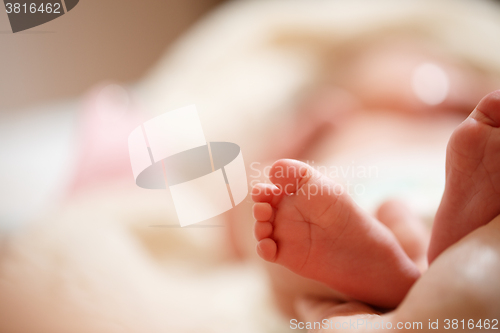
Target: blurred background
(82, 249)
(101, 40)
(46, 70)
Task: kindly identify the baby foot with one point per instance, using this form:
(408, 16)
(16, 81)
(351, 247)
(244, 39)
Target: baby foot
(307, 223)
(409, 230)
(472, 193)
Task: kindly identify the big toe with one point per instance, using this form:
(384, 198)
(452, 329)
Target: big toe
(476, 140)
(289, 175)
(488, 109)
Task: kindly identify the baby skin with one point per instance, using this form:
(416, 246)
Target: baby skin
(307, 223)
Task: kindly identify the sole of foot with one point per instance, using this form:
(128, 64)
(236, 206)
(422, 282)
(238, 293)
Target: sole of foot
(309, 224)
(472, 193)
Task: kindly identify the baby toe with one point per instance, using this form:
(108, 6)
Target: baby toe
(262, 230)
(267, 249)
(266, 193)
(262, 211)
(488, 109)
(290, 175)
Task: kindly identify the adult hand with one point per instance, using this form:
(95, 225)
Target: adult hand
(459, 291)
